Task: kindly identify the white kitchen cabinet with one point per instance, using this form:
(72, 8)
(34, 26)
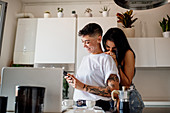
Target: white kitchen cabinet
(55, 40)
(144, 49)
(104, 22)
(162, 46)
(25, 41)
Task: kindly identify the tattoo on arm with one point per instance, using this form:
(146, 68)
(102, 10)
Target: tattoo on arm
(113, 78)
(103, 91)
(84, 86)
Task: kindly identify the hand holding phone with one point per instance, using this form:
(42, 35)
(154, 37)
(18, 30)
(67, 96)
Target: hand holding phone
(65, 73)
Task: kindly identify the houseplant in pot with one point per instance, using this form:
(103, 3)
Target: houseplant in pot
(105, 11)
(88, 12)
(73, 14)
(127, 21)
(165, 24)
(47, 14)
(60, 12)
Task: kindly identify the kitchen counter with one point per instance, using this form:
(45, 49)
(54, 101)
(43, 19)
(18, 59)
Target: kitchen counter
(156, 109)
(145, 110)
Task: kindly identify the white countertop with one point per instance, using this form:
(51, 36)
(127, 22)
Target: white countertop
(83, 110)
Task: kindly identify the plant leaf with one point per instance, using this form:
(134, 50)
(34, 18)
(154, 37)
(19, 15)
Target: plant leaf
(134, 20)
(130, 12)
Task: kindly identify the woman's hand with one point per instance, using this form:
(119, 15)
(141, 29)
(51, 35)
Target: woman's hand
(113, 55)
(74, 82)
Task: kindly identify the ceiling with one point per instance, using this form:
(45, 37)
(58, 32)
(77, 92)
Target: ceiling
(133, 4)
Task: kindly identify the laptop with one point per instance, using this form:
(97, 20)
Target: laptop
(50, 78)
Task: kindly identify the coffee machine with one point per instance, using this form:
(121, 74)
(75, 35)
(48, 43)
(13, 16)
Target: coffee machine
(123, 99)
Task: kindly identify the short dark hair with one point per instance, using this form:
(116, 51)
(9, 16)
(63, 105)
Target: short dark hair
(91, 29)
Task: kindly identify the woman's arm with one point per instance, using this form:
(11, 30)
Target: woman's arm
(112, 84)
(127, 74)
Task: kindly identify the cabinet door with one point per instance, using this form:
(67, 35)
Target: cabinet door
(144, 49)
(25, 41)
(55, 41)
(104, 22)
(162, 52)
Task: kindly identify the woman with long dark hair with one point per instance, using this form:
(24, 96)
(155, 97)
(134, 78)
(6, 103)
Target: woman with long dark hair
(116, 45)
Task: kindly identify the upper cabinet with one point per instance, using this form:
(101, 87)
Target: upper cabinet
(25, 41)
(151, 52)
(55, 40)
(162, 52)
(144, 49)
(104, 22)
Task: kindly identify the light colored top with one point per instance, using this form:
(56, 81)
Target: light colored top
(94, 70)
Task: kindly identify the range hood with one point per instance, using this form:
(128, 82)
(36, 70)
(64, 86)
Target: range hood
(140, 4)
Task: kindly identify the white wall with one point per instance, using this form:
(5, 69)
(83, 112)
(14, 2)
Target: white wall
(14, 6)
(147, 24)
(153, 83)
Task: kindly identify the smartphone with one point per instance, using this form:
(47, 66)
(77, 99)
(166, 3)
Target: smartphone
(65, 73)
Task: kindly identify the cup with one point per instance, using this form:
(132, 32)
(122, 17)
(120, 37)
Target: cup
(3, 104)
(29, 99)
(90, 103)
(67, 103)
(81, 103)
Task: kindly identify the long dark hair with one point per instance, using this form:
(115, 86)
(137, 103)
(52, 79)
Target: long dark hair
(117, 36)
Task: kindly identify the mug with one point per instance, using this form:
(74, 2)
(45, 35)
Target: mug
(67, 103)
(3, 104)
(90, 103)
(29, 99)
(81, 103)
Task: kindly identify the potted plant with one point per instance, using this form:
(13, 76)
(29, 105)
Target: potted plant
(127, 21)
(73, 14)
(60, 12)
(47, 14)
(65, 89)
(105, 11)
(88, 12)
(165, 24)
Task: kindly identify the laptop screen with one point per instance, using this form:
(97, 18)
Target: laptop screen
(50, 78)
